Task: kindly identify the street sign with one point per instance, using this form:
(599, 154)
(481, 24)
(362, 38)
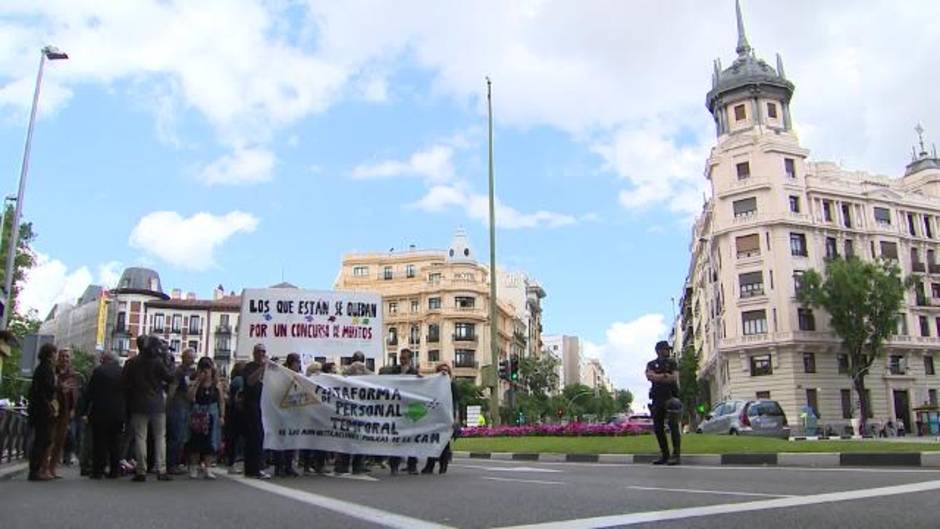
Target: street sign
(473, 415)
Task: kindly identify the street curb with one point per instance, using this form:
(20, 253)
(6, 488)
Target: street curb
(783, 459)
(8, 472)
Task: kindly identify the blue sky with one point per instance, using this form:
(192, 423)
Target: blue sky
(233, 142)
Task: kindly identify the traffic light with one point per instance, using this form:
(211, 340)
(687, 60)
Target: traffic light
(504, 369)
(514, 368)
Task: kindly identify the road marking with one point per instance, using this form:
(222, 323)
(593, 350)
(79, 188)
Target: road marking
(609, 466)
(716, 492)
(351, 509)
(355, 477)
(534, 481)
(731, 508)
(510, 469)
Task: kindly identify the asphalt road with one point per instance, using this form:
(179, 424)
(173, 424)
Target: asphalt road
(484, 493)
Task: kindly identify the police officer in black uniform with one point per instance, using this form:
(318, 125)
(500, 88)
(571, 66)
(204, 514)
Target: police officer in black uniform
(663, 373)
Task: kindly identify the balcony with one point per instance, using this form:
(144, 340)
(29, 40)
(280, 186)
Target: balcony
(194, 331)
(119, 329)
(918, 267)
(414, 341)
(934, 268)
(222, 354)
(434, 338)
(466, 363)
(519, 335)
(464, 337)
(393, 342)
(158, 330)
(223, 329)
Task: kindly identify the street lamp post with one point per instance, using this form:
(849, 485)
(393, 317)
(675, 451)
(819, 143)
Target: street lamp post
(53, 54)
(494, 315)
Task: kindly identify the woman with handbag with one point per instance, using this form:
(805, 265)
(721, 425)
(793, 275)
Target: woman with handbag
(205, 419)
(43, 408)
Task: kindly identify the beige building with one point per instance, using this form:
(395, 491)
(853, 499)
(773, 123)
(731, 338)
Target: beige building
(567, 349)
(594, 376)
(772, 215)
(436, 304)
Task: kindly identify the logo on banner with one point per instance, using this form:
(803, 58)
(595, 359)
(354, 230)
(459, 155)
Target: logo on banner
(298, 396)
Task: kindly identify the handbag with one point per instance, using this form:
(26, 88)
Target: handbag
(199, 422)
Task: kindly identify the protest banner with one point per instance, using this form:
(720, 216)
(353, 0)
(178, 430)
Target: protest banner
(381, 415)
(310, 323)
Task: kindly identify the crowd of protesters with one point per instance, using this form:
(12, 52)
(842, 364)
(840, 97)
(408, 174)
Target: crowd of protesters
(156, 416)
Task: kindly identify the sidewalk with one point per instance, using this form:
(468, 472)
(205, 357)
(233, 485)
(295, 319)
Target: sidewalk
(11, 470)
(794, 459)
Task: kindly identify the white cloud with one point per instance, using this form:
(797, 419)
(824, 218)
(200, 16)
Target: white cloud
(50, 282)
(189, 242)
(434, 164)
(242, 166)
(627, 348)
(441, 198)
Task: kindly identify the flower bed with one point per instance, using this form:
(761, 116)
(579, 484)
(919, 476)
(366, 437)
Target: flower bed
(574, 429)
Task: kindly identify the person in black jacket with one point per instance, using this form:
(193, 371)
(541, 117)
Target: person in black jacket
(446, 454)
(663, 374)
(42, 413)
(106, 410)
(405, 366)
(144, 382)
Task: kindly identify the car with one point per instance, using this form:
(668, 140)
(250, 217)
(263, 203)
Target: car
(642, 421)
(762, 417)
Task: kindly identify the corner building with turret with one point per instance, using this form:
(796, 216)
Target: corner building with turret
(772, 215)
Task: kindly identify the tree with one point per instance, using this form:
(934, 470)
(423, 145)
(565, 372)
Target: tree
(11, 385)
(25, 258)
(863, 300)
(577, 399)
(539, 375)
(470, 394)
(690, 388)
(624, 400)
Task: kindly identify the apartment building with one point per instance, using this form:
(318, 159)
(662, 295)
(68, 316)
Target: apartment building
(436, 303)
(772, 215)
(568, 350)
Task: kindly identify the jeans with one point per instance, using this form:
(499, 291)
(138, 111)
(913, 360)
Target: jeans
(157, 423)
(177, 432)
(660, 416)
(42, 443)
(106, 445)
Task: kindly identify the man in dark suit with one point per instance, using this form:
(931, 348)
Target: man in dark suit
(405, 366)
(106, 412)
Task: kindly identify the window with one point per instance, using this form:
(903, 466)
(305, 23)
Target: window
(797, 282)
(434, 333)
(763, 395)
(849, 249)
(745, 207)
(434, 356)
(748, 246)
(393, 307)
(387, 273)
(464, 358)
(924, 326)
(832, 251)
(896, 365)
(827, 210)
(194, 345)
(121, 324)
(932, 397)
(159, 322)
(195, 326)
(434, 303)
(809, 362)
(931, 258)
(464, 302)
(760, 366)
(740, 114)
(846, 216)
(928, 232)
(415, 305)
(754, 322)
(752, 284)
(846, 395)
(883, 216)
(414, 337)
(434, 278)
(410, 271)
(174, 345)
(812, 400)
(360, 271)
(889, 250)
(902, 324)
(842, 360)
(910, 224)
(789, 167)
(771, 110)
(798, 244)
(794, 204)
(464, 331)
(916, 264)
(928, 365)
(393, 336)
(744, 170)
(806, 319)
(223, 320)
(177, 322)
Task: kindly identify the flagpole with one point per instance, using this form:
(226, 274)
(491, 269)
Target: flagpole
(494, 315)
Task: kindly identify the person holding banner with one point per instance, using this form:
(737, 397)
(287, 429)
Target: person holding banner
(405, 367)
(356, 368)
(446, 454)
(284, 459)
(254, 429)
